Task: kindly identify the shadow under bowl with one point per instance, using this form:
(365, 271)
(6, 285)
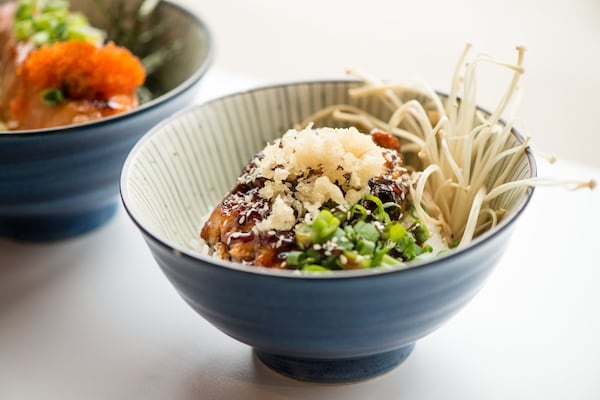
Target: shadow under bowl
(60, 182)
(336, 327)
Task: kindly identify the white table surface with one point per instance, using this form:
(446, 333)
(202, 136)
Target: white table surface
(94, 318)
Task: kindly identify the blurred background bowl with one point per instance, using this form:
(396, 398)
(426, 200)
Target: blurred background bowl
(337, 327)
(60, 182)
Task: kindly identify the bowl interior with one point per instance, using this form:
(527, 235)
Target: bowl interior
(180, 170)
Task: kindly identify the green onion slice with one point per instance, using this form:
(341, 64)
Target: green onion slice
(52, 96)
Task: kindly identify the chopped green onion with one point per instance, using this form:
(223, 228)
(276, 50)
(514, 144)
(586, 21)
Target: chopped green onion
(388, 260)
(394, 232)
(381, 256)
(49, 21)
(315, 268)
(421, 232)
(379, 213)
(54, 5)
(365, 247)
(23, 29)
(324, 226)
(362, 236)
(295, 258)
(394, 210)
(76, 19)
(52, 96)
(358, 209)
(86, 33)
(40, 38)
(25, 10)
(340, 214)
(342, 240)
(366, 230)
(302, 234)
(373, 199)
(312, 256)
(406, 246)
(353, 260)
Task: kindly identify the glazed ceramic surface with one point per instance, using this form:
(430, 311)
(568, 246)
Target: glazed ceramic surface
(60, 182)
(333, 327)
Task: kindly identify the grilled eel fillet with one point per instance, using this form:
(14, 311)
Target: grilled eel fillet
(230, 230)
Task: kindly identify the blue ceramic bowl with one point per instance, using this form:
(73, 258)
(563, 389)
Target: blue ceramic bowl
(60, 182)
(337, 327)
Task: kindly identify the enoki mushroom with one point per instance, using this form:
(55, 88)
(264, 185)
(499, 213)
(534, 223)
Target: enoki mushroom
(467, 157)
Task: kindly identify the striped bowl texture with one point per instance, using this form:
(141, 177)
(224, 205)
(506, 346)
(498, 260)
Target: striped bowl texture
(61, 182)
(338, 327)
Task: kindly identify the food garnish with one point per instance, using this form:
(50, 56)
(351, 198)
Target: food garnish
(58, 70)
(321, 199)
(49, 21)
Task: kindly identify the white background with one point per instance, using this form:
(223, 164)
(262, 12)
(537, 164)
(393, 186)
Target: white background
(283, 40)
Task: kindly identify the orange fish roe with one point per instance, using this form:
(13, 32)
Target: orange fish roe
(83, 71)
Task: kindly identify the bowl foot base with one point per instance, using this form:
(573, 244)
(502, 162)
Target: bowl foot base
(336, 370)
(56, 227)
